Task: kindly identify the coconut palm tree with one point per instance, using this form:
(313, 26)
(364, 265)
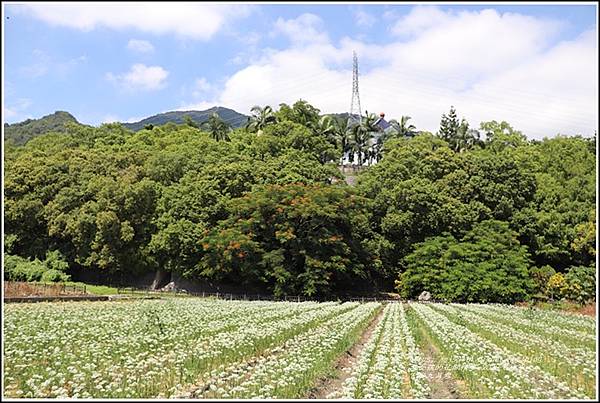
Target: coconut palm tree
(218, 129)
(261, 118)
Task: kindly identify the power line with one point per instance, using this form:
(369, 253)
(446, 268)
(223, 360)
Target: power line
(443, 82)
(485, 100)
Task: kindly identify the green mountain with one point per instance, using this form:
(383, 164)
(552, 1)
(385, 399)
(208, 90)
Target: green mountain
(20, 133)
(231, 117)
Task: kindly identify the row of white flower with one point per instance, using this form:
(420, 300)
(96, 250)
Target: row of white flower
(289, 370)
(535, 320)
(490, 370)
(419, 382)
(574, 365)
(141, 348)
(571, 342)
(566, 320)
(390, 364)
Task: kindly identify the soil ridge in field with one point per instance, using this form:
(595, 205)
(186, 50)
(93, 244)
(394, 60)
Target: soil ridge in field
(441, 382)
(326, 385)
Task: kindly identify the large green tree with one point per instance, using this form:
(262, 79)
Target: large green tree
(487, 265)
(457, 133)
(297, 239)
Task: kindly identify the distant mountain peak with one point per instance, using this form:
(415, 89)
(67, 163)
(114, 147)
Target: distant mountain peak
(21, 132)
(231, 117)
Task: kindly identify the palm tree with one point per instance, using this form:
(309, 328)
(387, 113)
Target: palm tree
(218, 129)
(325, 127)
(368, 122)
(402, 128)
(360, 136)
(371, 129)
(465, 138)
(340, 135)
(335, 130)
(261, 118)
(377, 149)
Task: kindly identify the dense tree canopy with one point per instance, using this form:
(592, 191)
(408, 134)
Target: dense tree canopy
(299, 239)
(21, 133)
(487, 264)
(469, 215)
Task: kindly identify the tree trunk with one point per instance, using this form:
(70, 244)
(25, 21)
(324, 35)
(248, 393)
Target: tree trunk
(161, 278)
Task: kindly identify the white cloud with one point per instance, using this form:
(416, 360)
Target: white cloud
(110, 119)
(201, 86)
(64, 68)
(139, 45)
(134, 119)
(114, 118)
(15, 112)
(44, 64)
(39, 67)
(35, 70)
(306, 29)
(487, 64)
(191, 20)
(390, 13)
(141, 77)
(467, 43)
(362, 18)
(419, 19)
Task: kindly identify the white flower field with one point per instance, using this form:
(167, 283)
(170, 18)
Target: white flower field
(201, 348)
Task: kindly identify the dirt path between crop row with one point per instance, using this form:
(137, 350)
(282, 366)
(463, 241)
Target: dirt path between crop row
(326, 385)
(441, 382)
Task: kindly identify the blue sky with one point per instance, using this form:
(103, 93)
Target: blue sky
(534, 66)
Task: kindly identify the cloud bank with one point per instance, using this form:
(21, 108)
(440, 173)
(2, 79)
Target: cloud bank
(141, 77)
(196, 21)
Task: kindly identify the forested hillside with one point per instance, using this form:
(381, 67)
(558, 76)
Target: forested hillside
(229, 116)
(470, 215)
(20, 133)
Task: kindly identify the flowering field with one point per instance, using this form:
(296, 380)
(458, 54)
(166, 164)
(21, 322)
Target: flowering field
(390, 366)
(156, 348)
(232, 349)
(505, 352)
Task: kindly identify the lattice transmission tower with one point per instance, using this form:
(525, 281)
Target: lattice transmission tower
(355, 111)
